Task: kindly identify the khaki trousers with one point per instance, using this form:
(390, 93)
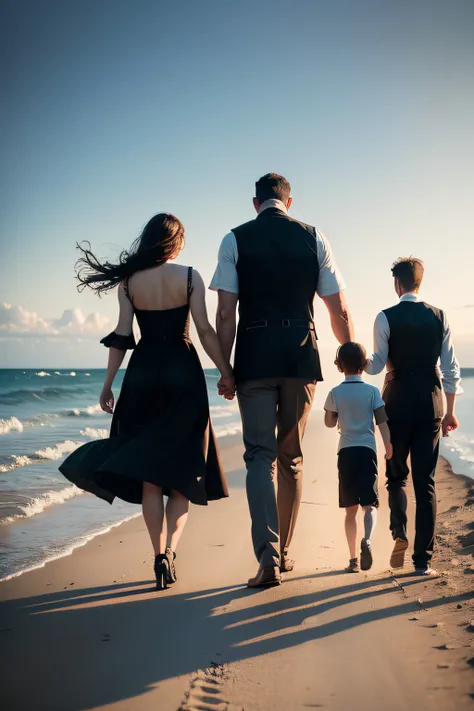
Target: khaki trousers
(274, 416)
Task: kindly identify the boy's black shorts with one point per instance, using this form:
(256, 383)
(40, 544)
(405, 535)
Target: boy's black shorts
(357, 468)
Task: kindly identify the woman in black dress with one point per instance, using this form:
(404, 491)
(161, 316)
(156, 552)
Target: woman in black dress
(161, 441)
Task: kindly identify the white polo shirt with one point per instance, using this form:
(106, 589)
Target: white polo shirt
(355, 401)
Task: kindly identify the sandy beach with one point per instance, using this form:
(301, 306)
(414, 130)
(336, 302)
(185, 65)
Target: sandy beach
(87, 631)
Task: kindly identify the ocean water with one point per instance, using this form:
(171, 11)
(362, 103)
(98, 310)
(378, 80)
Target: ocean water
(45, 415)
(458, 448)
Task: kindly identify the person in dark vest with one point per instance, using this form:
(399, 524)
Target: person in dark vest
(273, 266)
(414, 341)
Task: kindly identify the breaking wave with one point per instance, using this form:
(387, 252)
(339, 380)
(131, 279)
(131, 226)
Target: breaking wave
(57, 451)
(40, 503)
(10, 424)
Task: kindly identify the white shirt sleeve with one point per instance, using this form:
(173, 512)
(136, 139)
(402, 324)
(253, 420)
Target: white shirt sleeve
(330, 280)
(448, 362)
(225, 277)
(330, 404)
(378, 360)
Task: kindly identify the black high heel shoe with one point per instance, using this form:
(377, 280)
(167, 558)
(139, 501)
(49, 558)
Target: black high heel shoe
(171, 557)
(162, 571)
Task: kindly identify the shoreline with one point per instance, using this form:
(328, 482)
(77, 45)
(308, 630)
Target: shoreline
(90, 536)
(267, 650)
(232, 442)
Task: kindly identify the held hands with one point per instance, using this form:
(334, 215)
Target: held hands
(389, 451)
(449, 424)
(106, 400)
(226, 387)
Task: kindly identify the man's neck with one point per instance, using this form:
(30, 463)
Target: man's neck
(278, 204)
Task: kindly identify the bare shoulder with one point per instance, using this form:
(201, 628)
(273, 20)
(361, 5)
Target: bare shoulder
(197, 279)
(174, 269)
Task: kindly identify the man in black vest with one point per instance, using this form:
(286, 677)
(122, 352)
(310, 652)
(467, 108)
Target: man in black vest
(411, 339)
(274, 266)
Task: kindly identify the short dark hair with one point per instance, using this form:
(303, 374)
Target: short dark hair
(352, 357)
(409, 272)
(272, 187)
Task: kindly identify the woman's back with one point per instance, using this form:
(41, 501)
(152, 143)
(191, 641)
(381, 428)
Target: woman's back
(160, 298)
(161, 288)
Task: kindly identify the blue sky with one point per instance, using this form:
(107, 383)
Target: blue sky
(117, 110)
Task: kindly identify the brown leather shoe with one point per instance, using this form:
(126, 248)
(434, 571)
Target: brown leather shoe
(265, 576)
(397, 559)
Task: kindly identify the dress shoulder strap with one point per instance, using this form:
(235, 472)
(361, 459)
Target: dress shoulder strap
(190, 282)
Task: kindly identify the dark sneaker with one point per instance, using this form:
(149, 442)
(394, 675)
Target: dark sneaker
(353, 566)
(366, 559)
(397, 559)
(426, 570)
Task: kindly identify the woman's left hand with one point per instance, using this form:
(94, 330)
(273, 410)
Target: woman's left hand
(226, 387)
(106, 400)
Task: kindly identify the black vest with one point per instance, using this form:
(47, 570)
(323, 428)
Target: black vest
(412, 384)
(278, 275)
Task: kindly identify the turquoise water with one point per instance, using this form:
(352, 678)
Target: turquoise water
(44, 415)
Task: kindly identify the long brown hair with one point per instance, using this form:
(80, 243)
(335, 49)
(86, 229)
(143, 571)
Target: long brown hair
(162, 239)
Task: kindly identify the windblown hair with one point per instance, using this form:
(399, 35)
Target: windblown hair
(272, 187)
(162, 239)
(409, 272)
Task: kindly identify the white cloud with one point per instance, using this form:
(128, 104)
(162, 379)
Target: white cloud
(15, 321)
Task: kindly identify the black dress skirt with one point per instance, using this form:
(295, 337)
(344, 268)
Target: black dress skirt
(161, 432)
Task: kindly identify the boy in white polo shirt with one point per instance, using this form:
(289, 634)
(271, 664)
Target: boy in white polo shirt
(354, 405)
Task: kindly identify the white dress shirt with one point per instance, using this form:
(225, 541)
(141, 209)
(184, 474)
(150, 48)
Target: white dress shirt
(449, 365)
(226, 277)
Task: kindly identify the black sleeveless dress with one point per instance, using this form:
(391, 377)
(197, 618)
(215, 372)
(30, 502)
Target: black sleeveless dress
(161, 432)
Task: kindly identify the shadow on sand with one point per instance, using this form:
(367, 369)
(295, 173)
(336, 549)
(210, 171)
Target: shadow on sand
(124, 649)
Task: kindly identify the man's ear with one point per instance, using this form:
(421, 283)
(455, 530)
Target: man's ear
(289, 203)
(256, 204)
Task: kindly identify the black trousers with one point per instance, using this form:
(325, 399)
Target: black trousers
(418, 438)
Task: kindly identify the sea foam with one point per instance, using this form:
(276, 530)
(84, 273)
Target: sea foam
(57, 451)
(10, 424)
(42, 502)
(85, 412)
(95, 433)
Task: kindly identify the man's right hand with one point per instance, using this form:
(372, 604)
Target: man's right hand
(449, 424)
